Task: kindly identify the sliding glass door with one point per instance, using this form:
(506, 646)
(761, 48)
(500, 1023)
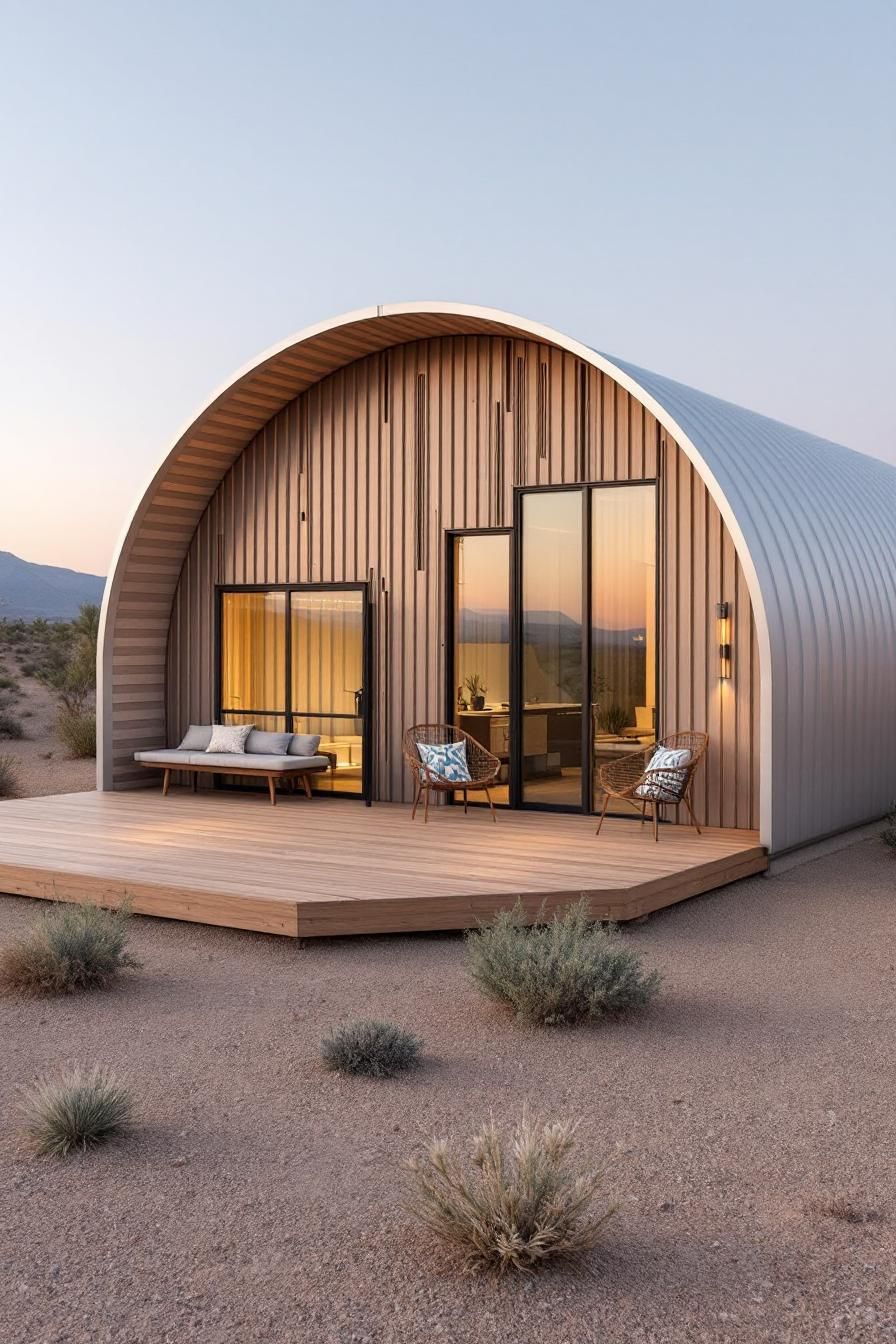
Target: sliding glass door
(552, 663)
(553, 652)
(294, 659)
(623, 624)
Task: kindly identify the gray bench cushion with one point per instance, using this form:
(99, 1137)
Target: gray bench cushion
(175, 756)
(176, 759)
(245, 761)
(197, 737)
(304, 744)
(259, 743)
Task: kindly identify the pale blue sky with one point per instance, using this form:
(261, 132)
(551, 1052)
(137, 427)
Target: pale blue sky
(706, 189)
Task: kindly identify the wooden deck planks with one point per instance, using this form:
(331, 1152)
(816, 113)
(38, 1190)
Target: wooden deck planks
(312, 868)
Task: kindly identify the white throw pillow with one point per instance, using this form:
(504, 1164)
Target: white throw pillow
(229, 737)
(667, 787)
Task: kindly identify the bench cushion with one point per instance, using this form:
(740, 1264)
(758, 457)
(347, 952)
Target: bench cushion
(172, 757)
(304, 744)
(259, 743)
(197, 737)
(220, 760)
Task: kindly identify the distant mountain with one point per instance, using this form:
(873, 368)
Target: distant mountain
(28, 590)
(542, 627)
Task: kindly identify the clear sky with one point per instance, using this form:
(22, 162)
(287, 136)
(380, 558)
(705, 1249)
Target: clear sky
(704, 188)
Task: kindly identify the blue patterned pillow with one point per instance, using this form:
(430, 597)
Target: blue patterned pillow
(448, 762)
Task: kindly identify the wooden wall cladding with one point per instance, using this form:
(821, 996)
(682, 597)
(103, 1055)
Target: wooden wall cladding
(360, 477)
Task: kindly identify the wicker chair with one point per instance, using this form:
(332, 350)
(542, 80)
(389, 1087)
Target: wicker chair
(483, 766)
(628, 776)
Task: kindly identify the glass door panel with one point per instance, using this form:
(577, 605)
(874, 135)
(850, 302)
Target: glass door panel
(481, 659)
(253, 659)
(623, 623)
(552, 655)
(327, 681)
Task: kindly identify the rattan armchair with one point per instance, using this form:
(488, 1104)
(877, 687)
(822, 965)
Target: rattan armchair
(483, 766)
(631, 779)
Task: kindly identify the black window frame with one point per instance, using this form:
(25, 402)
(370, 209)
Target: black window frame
(289, 713)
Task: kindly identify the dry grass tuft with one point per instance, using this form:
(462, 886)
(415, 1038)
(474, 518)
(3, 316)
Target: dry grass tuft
(9, 777)
(69, 949)
(76, 729)
(376, 1049)
(518, 1202)
(10, 727)
(567, 969)
(78, 1111)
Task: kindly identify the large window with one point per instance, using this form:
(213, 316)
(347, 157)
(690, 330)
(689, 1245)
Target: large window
(481, 657)
(293, 660)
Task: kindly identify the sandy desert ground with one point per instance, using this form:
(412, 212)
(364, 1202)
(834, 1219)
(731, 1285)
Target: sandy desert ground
(42, 764)
(261, 1198)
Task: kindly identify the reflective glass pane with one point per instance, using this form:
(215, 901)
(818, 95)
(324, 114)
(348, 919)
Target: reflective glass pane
(327, 652)
(342, 742)
(552, 647)
(253, 651)
(482, 645)
(623, 623)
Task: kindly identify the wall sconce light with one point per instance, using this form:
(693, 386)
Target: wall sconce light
(723, 617)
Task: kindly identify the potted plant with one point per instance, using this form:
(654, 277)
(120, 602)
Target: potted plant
(613, 719)
(473, 684)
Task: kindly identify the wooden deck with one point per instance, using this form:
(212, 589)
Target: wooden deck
(309, 868)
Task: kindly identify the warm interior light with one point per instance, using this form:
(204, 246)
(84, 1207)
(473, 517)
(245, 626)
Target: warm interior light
(723, 617)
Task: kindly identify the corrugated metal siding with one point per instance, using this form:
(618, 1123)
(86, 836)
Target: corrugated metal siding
(819, 523)
(378, 494)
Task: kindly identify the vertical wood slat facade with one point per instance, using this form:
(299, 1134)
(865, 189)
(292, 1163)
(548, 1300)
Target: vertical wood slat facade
(360, 477)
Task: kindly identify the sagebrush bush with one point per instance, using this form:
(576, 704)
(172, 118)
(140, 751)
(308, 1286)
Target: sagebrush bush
(888, 834)
(79, 1110)
(518, 1202)
(377, 1049)
(9, 777)
(71, 948)
(10, 727)
(566, 969)
(76, 730)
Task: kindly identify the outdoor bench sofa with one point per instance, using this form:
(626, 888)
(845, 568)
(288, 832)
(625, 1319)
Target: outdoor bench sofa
(289, 757)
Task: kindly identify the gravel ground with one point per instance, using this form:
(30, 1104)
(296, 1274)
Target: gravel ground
(42, 765)
(261, 1198)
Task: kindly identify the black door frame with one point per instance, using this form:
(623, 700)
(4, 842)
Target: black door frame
(289, 713)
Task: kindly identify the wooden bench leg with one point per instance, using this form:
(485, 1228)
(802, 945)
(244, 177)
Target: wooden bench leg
(272, 790)
(195, 781)
(416, 797)
(166, 780)
(307, 783)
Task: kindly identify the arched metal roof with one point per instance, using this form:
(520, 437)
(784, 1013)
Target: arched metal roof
(814, 525)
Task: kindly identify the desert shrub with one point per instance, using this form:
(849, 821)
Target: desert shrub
(29, 669)
(377, 1049)
(9, 778)
(519, 1201)
(8, 683)
(10, 727)
(80, 1110)
(566, 969)
(76, 730)
(71, 948)
(888, 834)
